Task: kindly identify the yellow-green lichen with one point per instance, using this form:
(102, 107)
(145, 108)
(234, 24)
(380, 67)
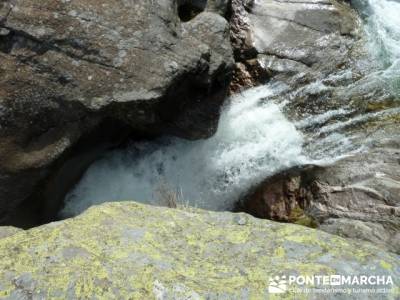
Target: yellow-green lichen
(132, 251)
(299, 217)
(386, 265)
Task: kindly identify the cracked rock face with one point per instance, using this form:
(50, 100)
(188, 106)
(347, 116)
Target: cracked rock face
(307, 32)
(70, 66)
(132, 251)
(286, 38)
(359, 197)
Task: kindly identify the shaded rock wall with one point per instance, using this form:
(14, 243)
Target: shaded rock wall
(69, 67)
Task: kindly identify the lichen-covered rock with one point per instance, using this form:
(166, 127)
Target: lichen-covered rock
(131, 251)
(70, 69)
(6, 231)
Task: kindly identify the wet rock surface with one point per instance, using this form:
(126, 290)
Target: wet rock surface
(357, 197)
(309, 39)
(282, 197)
(318, 50)
(128, 250)
(69, 68)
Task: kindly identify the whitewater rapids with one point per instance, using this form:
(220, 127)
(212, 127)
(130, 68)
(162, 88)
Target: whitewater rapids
(254, 140)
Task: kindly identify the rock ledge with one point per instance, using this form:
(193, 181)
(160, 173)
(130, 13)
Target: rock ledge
(128, 250)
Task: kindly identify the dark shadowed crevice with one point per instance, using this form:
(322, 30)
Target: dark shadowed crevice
(188, 9)
(6, 41)
(42, 207)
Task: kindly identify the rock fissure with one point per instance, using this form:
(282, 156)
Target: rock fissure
(23, 39)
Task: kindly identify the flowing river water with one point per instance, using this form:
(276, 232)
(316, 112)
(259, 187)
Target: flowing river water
(254, 140)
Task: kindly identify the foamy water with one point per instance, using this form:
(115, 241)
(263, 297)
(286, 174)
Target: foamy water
(254, 140)
(382, 19)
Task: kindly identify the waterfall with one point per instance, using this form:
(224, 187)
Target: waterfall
(254, 140)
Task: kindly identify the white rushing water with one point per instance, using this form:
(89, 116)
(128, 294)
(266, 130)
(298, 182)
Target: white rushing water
(383, 31)
(254, 140)
(383, 18)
